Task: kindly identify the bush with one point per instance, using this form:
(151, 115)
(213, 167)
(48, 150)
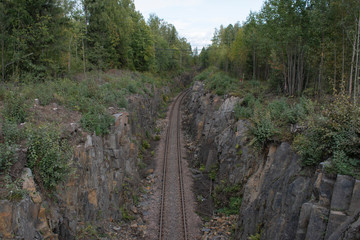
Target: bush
(7, 156)
(246, 108)
(145, 144)
(42, 91)
(48, 155)
(333, 133)
(11, 132)
(97, 120)
(233, 208)
(220, 83)
(227, 198)
(15, 108)
(263, 129)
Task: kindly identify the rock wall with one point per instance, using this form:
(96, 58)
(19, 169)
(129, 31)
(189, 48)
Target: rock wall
(281, 200)
(104, 175)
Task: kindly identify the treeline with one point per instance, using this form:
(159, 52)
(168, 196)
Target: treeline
(296, 45)
(44, 39)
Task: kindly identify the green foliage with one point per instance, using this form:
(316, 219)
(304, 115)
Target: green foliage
(145, 144)
(233, 208)
(333, 133)
(213, 171)
(221, 83)
(227, 198)
(126, 216)
(14, 189)
(256, 236)
(7, 156)
(11, 132)
(202, 168)
(48, 155)
(87, 232)
(263, 129)
(15, 108)
(246, 108)
(42, 91)
(97, 120)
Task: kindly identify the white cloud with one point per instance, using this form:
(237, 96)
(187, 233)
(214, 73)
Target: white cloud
(154, 5)
(196, 20)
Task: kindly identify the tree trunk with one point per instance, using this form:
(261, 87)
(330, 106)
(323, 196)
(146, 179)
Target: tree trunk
(321, 69)
(352, 61)
(334, 84)
(357, 63)
(2, 60)
(343, 56)
(254, 64)
(69, 62)
(84, 59)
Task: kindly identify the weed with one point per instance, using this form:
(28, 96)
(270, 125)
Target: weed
(14, 189)
(202, 168)
(213, 171)
(7, 155)
(48, 155)
(145, 144)
(15, 108)
(262, 130)
(332, 133)
(126, 216)
(97, 120)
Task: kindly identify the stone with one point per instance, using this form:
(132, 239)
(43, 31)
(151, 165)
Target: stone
(92, 198)
(336, 218)
(304, 218)
(89, 142)
(355, 199)
(37, 102)
(342, 193)
(29, 185)
(117, 228)
(74, 127)
(5, 219)
(317, 223)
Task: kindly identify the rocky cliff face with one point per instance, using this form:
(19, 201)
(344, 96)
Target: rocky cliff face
(281, 200)
(101, 185)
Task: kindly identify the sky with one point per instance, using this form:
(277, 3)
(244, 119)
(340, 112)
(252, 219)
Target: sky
(196, 20)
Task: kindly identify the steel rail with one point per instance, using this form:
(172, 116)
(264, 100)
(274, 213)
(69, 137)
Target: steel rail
(165, 160)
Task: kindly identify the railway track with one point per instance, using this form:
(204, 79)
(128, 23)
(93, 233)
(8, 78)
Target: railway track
(173, 222)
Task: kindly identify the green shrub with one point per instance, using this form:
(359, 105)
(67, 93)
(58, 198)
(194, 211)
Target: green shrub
(15, 108)
(122, 102)
(97, 120)
(206, 74)
(14, 189)
(234, 206)
(7, 156)
(263, 129)
(221, 83)
(247, 107)
(145, 144)
(11, 132)
(332, 133)
(256, 236)
(42, 91)
(227, 198)
(48, 155)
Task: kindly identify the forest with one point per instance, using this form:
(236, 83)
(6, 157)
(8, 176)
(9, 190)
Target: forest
(47, 39)
(298, 46)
